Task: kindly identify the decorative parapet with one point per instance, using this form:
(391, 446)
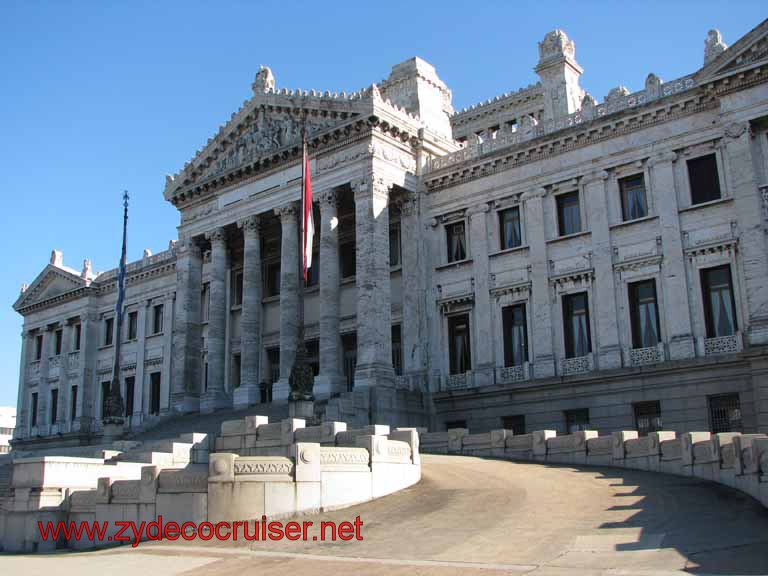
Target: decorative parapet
(578, 365)
(724, 344)
(509, 374)
(646, 356)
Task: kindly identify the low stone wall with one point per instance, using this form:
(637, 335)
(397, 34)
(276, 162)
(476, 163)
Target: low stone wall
(736, 460)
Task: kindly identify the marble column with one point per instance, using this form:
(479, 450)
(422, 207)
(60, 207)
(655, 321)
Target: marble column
(604, 292)
(138, 382)
(89, 338)
(482, 330)
(374, 314)
(22, 400)
(188, 332)
(43, 387)
(676, 313)
(289, 298)
(250, 321)
(215, 396)
(328, 381)
(540, 352)
(64, 389)
(169, 305)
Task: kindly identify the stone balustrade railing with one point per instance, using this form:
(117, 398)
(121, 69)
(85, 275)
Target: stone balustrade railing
(731, 458)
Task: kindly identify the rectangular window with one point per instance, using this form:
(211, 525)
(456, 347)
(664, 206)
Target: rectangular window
(133, 325)
(394, 245)
(647, 417)
(397, 349)
(515, 423)
(154, 393)
(271, 279)
(73, 403)
(576, 420)
(205, 300)
(313, 355)
(457, 241)
(725, 413)
(34, 409)
(236, 367)
(38, 347)
(644, 314)
(78, 337)
(509, 228)
(633, 200)
(104, 397)
(237, 289)
(265, 392)
(347, 260)
(157, 318)
(515, 335)
(458, 339)
(455, 424)
(273, 359)
(719, 303)
(349, 351)
(109, 330)
(59, 335)
(54, 405)
(703, 179)
(576, 325)
(130, 389)
(568, 213)
(205, 372)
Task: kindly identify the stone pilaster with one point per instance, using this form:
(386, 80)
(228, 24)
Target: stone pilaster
(752, 241)
(413, 332)
(86, 391)
(215, 396)
(329, 382)
(22, 400)
(676, 314)
(289, 298)
(482, 354)
(138, 385)
(63, 385)
(187, 331)
(540, 352)
(165, 376)
(43, 387)
(374, 314)
(604, 293)
(250, 321)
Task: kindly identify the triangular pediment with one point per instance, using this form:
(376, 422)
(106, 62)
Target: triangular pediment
(50, 283)
(746, 53)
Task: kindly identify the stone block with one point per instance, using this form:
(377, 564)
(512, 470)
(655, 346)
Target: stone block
(289, 427)
(455, 439)
(619, 438)
(148, 489)
(221, 467)
(411, 437)
(689, 439)
(307, 462)
(539, 444)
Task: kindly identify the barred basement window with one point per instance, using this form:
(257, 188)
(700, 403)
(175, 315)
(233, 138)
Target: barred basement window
(515, 423)
(457, 241)
(647, 417)
(703, 179)
(725, 413)
(568, 213)
(509, 227)
(719, 304)
(576, 420)
(633, 200)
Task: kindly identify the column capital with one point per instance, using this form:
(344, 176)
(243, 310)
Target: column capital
(287, 211)
(189, 245)
(216, 236)
(594, 176)
(250, 225)
(662, 157)
(377, 185)
(735, 130)
(328, 198)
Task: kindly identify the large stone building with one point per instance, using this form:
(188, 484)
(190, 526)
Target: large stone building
(537, 261)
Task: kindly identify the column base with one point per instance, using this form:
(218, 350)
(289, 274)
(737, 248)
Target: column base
(185, 403)
(327, 386)
(246, 396)
(213, 400)
(374, 375)
(280, 390)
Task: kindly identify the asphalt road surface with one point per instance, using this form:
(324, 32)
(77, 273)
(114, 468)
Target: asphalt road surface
(471, 516)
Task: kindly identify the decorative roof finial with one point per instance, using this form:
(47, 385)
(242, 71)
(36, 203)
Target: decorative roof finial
(264, 82)
(57, 258)
(713, 45)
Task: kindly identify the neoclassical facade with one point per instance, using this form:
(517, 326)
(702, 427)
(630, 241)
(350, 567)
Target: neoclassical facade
(540, 260)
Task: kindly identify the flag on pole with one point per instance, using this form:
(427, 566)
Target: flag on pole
(121, 269)
(308, 225)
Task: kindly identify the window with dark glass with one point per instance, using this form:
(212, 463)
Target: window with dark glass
(78, 336)
(457, 242)
(73, 403)
(34, 409)
(237, 289)
(104, 396)
(509, 227)
(397, 349)
(313, 355)
(157, 318)
(347, 260)
(133, 325)
(515, 423)
(235, 376)
(54, 406)
(38, 346)
(273, 359)
(576, 325)
(577, 420)
(130, 388)
(59, 337)
(205, 372)
(109, 331)
(272, 278)
(647, 417)
(633, 198)
(394, 245)
(725, 413)
(349, 351)
(644, 314)
(703, 179)
(154, 393)
(514, 324)
(568, 213)
(719, 303)
(458, 338)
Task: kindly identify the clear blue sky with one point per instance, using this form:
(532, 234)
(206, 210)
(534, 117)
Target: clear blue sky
(100, 96)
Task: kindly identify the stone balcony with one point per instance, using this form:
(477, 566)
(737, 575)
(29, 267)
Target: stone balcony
(645, 356)
(577, 365)
(723, 345)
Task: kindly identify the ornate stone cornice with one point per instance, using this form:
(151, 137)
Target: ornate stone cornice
(662, 158)
(595, 176)
(217, 236)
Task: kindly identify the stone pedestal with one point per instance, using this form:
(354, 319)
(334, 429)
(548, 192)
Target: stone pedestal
(301, 409)
(112, 432)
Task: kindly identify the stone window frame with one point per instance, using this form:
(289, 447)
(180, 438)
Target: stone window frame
(698, 262)
(464, 307)
(131, 309)
(613, 192)
(105, 318)
(495, 232)
(585, 283)
(444, 244)
(512, 297)
(557, 190)
(624, 277)
(685, 200)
